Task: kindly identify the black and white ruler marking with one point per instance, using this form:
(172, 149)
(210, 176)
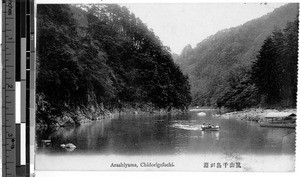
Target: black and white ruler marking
(18, 87)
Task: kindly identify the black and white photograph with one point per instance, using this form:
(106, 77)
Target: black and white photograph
(209, 87)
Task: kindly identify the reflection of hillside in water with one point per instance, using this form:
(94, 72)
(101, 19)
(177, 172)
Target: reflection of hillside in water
(130, 136)
(181, 134)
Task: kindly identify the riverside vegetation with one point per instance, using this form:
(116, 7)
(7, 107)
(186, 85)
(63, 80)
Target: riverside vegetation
(94, 60)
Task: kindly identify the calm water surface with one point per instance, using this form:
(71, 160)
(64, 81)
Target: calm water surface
(167, 135)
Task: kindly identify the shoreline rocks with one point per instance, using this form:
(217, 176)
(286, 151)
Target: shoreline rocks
(80, 117)
(253, 114)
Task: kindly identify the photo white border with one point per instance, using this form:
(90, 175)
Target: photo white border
(163, 173)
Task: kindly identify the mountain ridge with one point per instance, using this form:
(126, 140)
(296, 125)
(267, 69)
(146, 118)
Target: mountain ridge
(228, 49)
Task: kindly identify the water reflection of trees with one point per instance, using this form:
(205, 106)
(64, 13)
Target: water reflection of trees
(155, 135)
(135, 136)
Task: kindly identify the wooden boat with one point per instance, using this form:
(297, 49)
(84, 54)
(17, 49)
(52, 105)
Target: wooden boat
(210, 128)
(279, 119)
(68, 147)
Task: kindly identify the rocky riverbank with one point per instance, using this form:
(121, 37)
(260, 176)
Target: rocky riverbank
(74, 118)
(79, 117)
(253, 114)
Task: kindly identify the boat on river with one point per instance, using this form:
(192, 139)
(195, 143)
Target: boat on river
(68, 147)
(210, 128)
(278, 119)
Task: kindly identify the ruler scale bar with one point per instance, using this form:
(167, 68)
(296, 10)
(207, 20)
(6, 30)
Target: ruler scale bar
(18, 109)
(8, 110)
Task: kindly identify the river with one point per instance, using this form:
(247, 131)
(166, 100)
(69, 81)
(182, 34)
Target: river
(176, 139)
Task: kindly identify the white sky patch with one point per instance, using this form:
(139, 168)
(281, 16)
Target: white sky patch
(180, 24)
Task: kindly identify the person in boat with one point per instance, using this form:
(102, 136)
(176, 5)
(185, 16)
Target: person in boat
(209, 126)
(203, 125)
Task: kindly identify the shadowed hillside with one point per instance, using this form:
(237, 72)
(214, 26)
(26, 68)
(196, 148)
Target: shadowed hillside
(222, 59)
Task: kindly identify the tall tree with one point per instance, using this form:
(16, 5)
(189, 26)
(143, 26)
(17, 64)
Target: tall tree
(265, 72)
(275, 70)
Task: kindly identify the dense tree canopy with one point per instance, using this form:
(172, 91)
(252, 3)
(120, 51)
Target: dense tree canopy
(103, 54)
(275, 70)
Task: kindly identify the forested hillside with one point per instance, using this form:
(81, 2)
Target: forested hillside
(274, 73)
(103, 58)
(220, 68)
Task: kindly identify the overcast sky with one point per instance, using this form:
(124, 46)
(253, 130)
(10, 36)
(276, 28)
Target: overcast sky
(180, 24)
